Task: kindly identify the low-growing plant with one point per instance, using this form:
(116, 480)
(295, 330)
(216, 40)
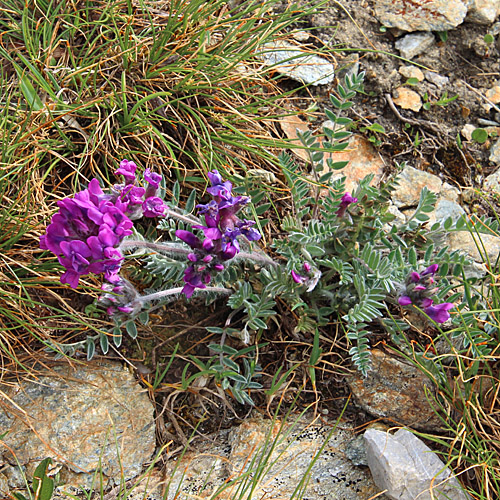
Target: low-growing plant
(343, 257)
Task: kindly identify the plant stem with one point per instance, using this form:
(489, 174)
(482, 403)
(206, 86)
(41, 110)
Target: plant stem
(178, 290)
(184, 218)
(158, 247)
(174, 248)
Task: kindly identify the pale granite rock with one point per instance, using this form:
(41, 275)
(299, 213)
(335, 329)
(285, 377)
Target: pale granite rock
(420, 15)
(482, 11)
(297, 64)
(404, 466)
(234, 456)
(411, 46)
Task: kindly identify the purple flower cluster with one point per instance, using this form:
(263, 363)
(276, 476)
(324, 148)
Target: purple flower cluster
(419, 290)
(220, 242)
(86, 232)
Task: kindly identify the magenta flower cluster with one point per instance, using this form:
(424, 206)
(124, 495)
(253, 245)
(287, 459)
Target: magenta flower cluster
(419, 290)
(86, 232)
(220, 234)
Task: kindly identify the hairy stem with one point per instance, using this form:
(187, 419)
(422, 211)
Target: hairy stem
(176, 291)
(175, 248)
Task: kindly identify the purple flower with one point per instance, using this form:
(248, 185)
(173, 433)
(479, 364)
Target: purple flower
(153, 207)
(432, 270)
(404, 300)
(419, 289)
(127, 169)
(86, 232)
(219, 188)
(298, 278)
(189, 238)
(439, 313)
(220, 242)
(345, 201)
(120, 297)
(152, 178)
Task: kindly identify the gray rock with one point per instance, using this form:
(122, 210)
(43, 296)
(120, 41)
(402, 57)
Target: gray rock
(495, 152)
(80, 417)
(438, 80)
(411, 183)
(404, 466)
(492, 182)
(446, 209)
(489, 245)
(297, 64)
(395, 390)
(413, 45)
(482, 11)
(420, 15)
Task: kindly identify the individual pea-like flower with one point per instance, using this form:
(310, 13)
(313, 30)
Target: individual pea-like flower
(345, 201)
(310, 278)
(419, 290)
(127, 169)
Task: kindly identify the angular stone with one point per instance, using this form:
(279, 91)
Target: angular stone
(395, 390)
(80, 417)
(493, 94)
(411, 182)
(468, 243)
(436, 79)
(411, 72)
(492, 182)
(482, 11)
(363, 159)
(297, 64)
(495, 152)
(411, 46)
(407, 99)
(404, 466)
(420, 15)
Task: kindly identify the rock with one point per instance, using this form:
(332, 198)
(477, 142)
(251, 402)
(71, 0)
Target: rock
(297, 64)
(407, 99)
(288, 450)
(420, 15)
(404, 466)
(495, 152)
(363, 159)
(411, 46)
(493, 94)
(482, 11)
(446, 209)
(438, 80)
(492, 182)
(411, 72)
(466, 242)
(79, 417)
(395, 390)
(411, 182)
(467, 131)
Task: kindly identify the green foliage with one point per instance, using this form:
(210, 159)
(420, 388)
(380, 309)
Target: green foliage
(232, 369)
(42, 487)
